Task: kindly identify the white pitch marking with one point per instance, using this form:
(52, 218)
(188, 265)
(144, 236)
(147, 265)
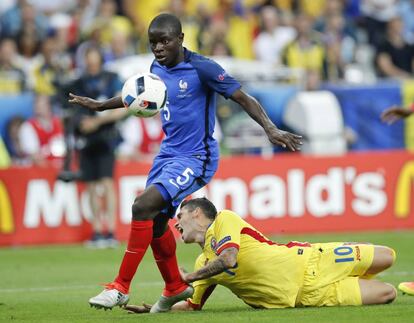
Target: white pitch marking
(58, 288)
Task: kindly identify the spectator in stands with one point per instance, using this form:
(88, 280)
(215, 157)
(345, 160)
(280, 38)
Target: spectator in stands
(12, 141)
(376, 14)
(394, 55)
(219, 48)
(84, 14)
(41, 137)
(406, 12)
(28, 44)
(141, 138)
(22, 13)
(239, 24)
(213, 33)
(97, 136)
(111, 22)
(4, 155)
(273, 37)
(335, 8)
(118, 48)
(190, 25)
(49, 8)
(52, 71)
(339, 47)
(92, 40)
(12, 78)
(306, 51)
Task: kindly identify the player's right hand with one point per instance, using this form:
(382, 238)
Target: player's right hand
(85, 102)
(394, 114)
(137, 309)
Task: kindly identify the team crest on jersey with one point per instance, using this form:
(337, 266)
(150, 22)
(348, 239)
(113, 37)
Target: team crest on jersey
(213, 244)
(183, 93)
(183, 86)
(222, 76)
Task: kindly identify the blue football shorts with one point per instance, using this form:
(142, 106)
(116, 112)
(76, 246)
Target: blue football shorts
(181, 176)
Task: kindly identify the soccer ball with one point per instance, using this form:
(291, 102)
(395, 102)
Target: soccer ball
(144, 94)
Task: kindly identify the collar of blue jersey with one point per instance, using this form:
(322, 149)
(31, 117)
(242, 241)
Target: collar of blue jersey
(187, 54)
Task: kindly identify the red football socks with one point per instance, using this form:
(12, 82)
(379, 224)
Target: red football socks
(163, 249)
(139, 240)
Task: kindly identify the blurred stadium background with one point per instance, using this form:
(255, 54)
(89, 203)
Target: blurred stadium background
(325, 69)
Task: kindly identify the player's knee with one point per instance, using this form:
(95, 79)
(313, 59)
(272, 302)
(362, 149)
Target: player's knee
(389, 257)
(384, 258)
(389, 294)
(141, 211)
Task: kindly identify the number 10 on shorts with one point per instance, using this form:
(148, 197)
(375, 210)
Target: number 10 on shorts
(181, 180)
(342, 252)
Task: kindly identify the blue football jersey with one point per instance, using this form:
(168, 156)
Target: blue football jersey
(189, 115)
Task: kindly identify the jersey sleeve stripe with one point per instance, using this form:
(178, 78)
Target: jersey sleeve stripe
(227, 245)
(259, 237)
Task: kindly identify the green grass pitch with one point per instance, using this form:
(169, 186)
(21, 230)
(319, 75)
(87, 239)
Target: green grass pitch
(53, 284)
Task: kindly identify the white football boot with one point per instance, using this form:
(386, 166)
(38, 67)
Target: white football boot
(165, 303)
(109, 298)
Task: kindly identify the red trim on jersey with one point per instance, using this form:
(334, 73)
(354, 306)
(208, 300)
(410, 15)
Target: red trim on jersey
(412, 107)
(258, 236)
(206, 295)
(195, 307)
(227, 245)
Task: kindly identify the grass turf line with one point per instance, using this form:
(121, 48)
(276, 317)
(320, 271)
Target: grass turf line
(53, 284)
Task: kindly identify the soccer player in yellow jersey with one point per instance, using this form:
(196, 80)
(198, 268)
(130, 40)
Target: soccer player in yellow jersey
(266, 274)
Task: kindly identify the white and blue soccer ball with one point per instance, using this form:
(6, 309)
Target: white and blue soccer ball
(144, 95)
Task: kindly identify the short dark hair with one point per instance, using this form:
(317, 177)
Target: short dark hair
(204, 204)
(167, 21)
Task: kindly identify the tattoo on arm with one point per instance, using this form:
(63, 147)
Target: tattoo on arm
(215, 267)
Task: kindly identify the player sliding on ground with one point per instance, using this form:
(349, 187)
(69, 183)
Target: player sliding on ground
(266, 274)
(187, 160)
(390, 116)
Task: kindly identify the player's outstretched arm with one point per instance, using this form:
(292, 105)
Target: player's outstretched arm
(395, 113)
(95, 105)
(226, 260)
(257, 113)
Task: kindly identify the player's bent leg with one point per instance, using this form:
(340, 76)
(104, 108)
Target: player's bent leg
(164, 249)
(384, 258)
(148, 205)
(376, 292)
(144, 209)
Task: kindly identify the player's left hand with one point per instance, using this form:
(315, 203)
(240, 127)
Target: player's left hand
(137, 309)
(285, 139)
(184, 275)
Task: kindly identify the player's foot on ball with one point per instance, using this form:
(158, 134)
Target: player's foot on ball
(165, 303)
(109, 298)
(407, 288)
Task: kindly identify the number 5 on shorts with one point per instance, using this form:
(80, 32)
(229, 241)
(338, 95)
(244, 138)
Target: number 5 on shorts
(343, 251)
(180, 180)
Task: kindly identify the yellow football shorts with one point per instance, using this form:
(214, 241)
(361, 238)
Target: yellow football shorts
(332, 273)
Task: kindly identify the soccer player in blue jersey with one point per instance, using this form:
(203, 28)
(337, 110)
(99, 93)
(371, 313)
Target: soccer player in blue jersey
(187, 160)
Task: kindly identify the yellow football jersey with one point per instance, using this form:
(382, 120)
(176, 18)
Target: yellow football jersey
(267, 274)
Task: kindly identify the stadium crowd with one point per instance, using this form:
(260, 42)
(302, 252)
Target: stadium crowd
(43, 46)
